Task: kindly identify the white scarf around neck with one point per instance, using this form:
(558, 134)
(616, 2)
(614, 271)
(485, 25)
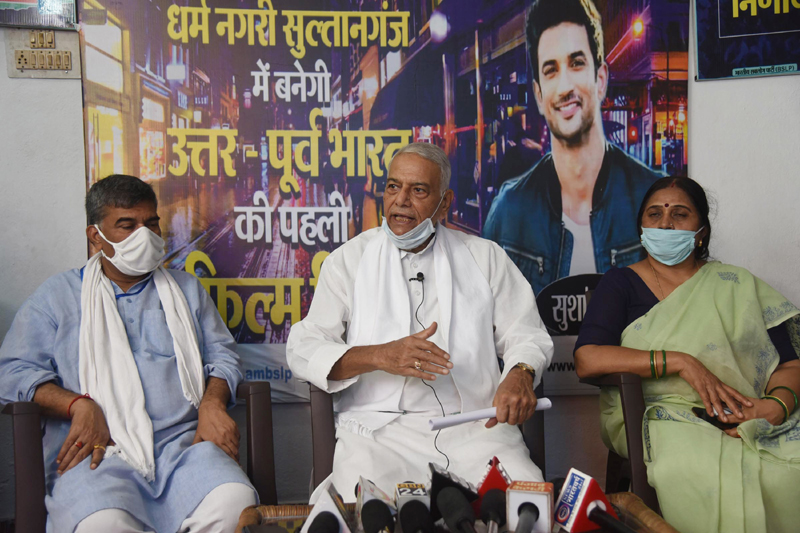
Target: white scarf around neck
(381, 313)
(108, 372)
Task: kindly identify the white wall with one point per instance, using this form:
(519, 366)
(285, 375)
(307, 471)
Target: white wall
(744, 147)
(42, 173)
(42, 179)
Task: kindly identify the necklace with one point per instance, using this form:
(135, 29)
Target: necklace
(655, 274)
(657, 281)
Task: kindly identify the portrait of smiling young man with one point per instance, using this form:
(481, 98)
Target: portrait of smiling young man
(570, 214)
(407, 323)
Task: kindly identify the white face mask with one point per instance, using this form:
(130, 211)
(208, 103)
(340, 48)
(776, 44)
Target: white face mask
(139, 254)
(669, 246)
(414, 237)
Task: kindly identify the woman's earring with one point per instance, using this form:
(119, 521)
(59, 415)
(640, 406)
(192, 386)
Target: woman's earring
(701, 243)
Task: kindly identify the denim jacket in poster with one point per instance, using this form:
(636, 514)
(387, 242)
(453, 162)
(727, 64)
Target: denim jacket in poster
(525, 218)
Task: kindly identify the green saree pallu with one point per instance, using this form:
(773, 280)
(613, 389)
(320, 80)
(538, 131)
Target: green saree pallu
(707, 481)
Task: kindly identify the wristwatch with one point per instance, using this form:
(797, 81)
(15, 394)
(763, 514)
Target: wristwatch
(527, 368)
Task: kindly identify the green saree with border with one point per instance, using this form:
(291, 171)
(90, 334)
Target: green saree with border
(707, 481)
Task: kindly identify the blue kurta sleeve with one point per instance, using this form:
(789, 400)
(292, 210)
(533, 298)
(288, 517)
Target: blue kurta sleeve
(220, 359)
(26, 356)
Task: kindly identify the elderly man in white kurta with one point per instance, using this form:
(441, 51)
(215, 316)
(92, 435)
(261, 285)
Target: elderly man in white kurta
(407, 323)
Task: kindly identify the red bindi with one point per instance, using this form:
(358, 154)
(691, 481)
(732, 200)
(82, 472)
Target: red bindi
(666, 205)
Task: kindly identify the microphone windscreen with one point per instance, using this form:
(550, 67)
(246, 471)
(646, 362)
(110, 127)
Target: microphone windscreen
(415, 518)
(493, 507)
(324, 522)
(454, 508)
(528, 516)
(376, 516)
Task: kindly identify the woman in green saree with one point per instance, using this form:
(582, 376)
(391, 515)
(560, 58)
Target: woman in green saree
(710, 339)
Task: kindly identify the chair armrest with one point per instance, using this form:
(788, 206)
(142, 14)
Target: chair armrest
(30, 512)
(613, 380)
(260, 445)
(323, 433)
(22, 408)
(633, 407)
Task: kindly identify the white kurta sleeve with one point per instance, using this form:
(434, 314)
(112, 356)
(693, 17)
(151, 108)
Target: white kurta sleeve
(317, 342)
(520, 336)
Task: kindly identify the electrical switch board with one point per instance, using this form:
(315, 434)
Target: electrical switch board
(42, 53)
(42, 39)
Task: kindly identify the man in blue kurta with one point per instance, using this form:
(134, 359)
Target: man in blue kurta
(134, 370)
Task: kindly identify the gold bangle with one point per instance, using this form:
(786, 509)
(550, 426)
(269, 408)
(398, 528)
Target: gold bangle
(783, 404)
(794, 394)
(653, 373)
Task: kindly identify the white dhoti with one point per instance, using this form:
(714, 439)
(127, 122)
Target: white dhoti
(218, 511)
(401, 450)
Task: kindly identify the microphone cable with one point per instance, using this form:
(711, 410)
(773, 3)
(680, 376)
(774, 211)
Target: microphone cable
(421, 280)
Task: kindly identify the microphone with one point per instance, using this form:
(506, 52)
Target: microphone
(441, 479)
(420, 277)
(530, 507)
(407, 492)
(528, 515)
(493, 510)
(456, 510)
(415, 518)
(324, 522)
(582, 506)
(367, 491)
(328, 503)
(495, 477)
(377, 517)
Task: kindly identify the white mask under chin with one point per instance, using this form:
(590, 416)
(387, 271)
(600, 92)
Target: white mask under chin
(411, 239)
(415, 237)
(139, 254)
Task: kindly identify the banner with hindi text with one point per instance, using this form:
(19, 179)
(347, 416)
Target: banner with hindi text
(746, 38)
(266, 126)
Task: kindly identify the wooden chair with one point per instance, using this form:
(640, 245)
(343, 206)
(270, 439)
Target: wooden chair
(323, 434)
(632, 472)
(30, 512)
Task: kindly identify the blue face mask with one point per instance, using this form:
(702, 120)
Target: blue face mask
(414, 237)
(668, 246)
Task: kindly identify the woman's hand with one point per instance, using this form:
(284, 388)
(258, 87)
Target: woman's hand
(712, 391)
(770, 410)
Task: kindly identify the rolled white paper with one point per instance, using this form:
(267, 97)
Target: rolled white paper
(462, 418)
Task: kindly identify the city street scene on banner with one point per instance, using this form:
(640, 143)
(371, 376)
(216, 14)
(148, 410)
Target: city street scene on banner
(266, 126)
